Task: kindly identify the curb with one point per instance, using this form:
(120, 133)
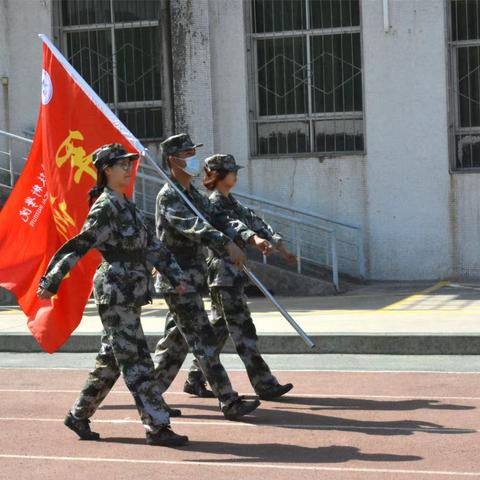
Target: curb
(383, 344)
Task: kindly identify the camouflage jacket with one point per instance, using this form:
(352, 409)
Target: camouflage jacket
(186, 236)
(116, 228)
(221, 271)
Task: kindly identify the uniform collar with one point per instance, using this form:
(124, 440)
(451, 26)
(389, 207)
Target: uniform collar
(219, 196)
(120, 200)
(193, 189)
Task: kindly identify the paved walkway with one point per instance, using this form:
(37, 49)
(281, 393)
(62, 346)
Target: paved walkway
(427, 308)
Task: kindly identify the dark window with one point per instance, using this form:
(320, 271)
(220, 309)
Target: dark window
(306, 66)
(115, 46)
(465, 77)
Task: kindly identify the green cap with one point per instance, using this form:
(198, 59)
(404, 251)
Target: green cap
(220, 161)
(178, 143)
(107, 155)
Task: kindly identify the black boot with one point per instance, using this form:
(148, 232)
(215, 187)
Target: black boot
(173, 412)
(166, 437)
(274, 391)
(239, 408)
(80, 427)
(199, 389)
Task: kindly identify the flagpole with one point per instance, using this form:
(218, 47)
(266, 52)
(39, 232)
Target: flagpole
(101, 105)
(247, 271)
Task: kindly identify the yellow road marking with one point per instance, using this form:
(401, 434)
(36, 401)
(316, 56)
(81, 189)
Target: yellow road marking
(417, 296)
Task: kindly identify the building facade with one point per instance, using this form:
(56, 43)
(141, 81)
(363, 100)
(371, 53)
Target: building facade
(364, 111)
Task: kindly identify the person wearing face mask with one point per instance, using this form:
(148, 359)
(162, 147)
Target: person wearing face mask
(122, 284)
(186, 235)
(227, 283)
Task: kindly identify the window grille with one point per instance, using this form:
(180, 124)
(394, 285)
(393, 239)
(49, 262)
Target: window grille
(465, 83)
(306, 74)
(116, 46)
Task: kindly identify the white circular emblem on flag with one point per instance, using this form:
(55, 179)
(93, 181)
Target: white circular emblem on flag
(47, 87)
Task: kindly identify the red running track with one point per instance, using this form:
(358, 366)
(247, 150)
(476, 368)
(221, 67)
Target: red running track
(334, 425)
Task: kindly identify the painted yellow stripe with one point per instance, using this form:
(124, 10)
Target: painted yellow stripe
(417, 296)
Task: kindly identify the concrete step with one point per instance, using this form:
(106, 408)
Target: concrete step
(289, 283)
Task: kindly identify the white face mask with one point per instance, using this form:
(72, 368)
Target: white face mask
(192, 167)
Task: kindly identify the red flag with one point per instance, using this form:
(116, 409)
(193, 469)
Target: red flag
(50, 200)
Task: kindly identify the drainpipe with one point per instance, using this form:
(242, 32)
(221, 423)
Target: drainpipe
(386, 16)
(6, 122)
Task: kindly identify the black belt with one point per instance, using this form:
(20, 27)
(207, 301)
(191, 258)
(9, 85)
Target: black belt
(134, 256)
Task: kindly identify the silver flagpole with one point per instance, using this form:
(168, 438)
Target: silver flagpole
(136, 144)
(249, 274)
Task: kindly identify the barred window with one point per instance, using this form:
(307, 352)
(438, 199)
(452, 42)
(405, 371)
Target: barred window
(306, 73)
(465, 79)
(116, 46)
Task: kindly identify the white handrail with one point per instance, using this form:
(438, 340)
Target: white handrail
(296, 210)
(16, 137)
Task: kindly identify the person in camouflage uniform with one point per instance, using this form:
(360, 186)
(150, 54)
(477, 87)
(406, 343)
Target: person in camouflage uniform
(185, 235)
(227, 283)
(122, 284)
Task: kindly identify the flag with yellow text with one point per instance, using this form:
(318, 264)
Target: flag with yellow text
(50, 200)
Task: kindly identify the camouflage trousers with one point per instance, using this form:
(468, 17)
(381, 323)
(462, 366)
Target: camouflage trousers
(124, 351)
(191, 329)
(231, 315)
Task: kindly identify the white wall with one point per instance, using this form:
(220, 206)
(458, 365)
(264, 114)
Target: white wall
(25, 51)
(407, 139)
(465, 224)
(21, 59)
(400, 191)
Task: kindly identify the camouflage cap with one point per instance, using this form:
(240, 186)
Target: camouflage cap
(220, 161)
(106, 155)
(178, 143)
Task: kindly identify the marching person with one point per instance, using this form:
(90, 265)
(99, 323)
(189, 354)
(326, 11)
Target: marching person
(186, 235)
(122, 284)
(227, 283)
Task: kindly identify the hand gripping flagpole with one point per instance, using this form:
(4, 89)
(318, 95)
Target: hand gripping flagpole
(249, 273)
(101, 105)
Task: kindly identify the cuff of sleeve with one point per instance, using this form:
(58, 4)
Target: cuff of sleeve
(247, 235)
(277, 239)
(222, 240)
(48, 285)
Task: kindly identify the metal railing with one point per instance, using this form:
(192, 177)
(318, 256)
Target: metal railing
(296, 234)
(317, 241)
(307, 230)
(13, 150)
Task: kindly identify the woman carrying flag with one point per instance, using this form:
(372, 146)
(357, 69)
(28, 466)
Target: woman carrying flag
(122, 284)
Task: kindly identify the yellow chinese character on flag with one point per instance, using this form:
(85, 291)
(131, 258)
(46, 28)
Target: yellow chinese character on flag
(62, 219)
(77, 155)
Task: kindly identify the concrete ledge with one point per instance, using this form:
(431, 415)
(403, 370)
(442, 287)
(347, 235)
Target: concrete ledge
(332, 343)
(287, 283)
